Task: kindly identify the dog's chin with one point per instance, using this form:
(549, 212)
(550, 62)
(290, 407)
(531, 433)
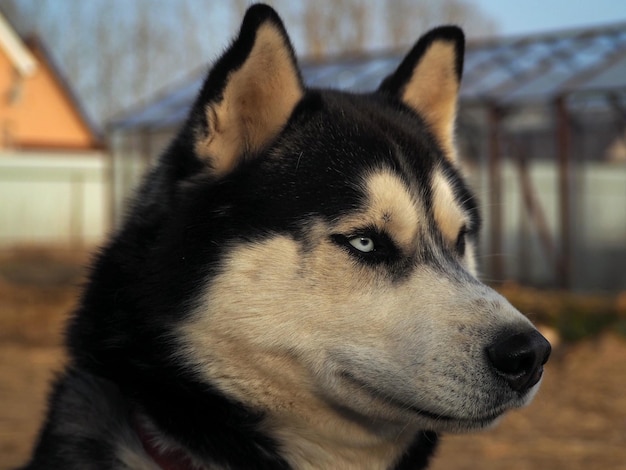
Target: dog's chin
(463, 425)
(426, 418)
(455, 424)
(489, 419)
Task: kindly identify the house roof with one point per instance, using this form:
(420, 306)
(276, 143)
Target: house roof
(17, 52)
(502, 71)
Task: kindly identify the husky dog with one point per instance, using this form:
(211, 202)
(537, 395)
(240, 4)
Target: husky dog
(294, 286)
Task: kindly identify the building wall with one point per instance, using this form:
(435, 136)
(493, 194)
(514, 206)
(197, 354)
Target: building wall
(53, 199)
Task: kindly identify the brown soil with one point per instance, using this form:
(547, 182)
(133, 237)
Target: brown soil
(577, 421)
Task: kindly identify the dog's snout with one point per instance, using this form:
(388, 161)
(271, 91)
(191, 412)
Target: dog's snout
(519, 358)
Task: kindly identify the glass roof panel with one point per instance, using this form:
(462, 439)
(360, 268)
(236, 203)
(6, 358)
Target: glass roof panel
(509, 70)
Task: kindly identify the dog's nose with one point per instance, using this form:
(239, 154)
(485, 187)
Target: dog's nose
(519, 358)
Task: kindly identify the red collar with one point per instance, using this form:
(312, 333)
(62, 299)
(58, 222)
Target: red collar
(166, 459)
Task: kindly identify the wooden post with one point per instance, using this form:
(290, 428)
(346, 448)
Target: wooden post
(563, 267)
(77, 195)
(495, 195)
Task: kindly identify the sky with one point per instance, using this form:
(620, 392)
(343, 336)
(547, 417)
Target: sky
(515, 17)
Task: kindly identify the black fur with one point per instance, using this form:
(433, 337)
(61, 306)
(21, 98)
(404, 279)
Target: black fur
(181, 223)
(420, 452)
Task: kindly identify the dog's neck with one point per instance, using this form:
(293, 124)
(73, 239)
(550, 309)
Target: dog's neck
(304, 453)
(324, 442)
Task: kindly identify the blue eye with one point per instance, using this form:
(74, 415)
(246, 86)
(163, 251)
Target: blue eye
(368, 246)
(364, 244)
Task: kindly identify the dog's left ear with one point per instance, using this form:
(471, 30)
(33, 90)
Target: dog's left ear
(249, 94)
(428, 81)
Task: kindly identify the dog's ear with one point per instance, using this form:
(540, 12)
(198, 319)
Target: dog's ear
(249, 94)
(428, 81)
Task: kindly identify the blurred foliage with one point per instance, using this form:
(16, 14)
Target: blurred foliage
(575, 316)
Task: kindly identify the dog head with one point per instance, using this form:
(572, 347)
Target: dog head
(316, 260)
(346, 236)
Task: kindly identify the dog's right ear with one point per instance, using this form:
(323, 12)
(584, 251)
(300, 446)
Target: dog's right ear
(249, 94)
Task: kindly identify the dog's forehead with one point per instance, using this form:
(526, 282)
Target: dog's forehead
(388, 205)
(355, 151)
(342, 132)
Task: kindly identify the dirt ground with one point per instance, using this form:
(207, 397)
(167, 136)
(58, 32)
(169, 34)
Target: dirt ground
(577, 421)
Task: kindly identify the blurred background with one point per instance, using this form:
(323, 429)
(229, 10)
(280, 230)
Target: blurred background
(92, 91)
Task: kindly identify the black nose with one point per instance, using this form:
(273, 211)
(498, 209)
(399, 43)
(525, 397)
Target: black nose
(519, 358)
